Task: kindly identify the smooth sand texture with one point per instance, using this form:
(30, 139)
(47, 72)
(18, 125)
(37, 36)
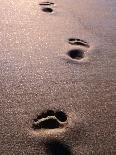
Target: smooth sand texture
(37, 74)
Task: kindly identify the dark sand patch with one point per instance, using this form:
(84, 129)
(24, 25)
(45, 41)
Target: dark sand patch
(55, 147)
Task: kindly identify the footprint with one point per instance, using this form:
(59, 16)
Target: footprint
(46, 3)
(50, 120)
(55, 147)
(46, 7)
(76, 54)
(79, 42)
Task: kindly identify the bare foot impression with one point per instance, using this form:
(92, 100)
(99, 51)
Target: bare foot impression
(79, 42)
(46, 7)
(50, 120)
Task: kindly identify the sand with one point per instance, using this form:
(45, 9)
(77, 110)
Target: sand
(57, 77)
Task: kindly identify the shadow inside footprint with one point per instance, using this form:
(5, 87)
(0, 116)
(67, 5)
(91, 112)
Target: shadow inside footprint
(76, 54)
(50, 120)
(61, 116)
(79, 42)
(48, 124)
(47, 9)
(57, 148)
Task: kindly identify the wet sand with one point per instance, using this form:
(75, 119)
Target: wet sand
(57, 77)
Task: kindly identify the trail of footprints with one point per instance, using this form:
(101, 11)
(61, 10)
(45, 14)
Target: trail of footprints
(50, 119)
(57, 120)
(76, 53)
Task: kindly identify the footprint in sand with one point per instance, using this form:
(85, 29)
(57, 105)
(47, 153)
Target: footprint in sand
(78, 42)
(50, 120)
(53, 120)
(46, 7)
(77, 54)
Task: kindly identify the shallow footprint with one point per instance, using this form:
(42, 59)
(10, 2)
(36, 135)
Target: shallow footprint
(50, 120)
(46, 6)
(79, 42)
(46, 3)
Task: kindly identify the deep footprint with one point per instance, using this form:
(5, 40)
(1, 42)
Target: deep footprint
(46, 3)
(76, 54)
(50, 120)
(79, 42)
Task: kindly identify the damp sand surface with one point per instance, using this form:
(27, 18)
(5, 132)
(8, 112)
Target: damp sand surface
(57, 77)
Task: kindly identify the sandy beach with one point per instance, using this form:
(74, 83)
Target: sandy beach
(57, 77)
